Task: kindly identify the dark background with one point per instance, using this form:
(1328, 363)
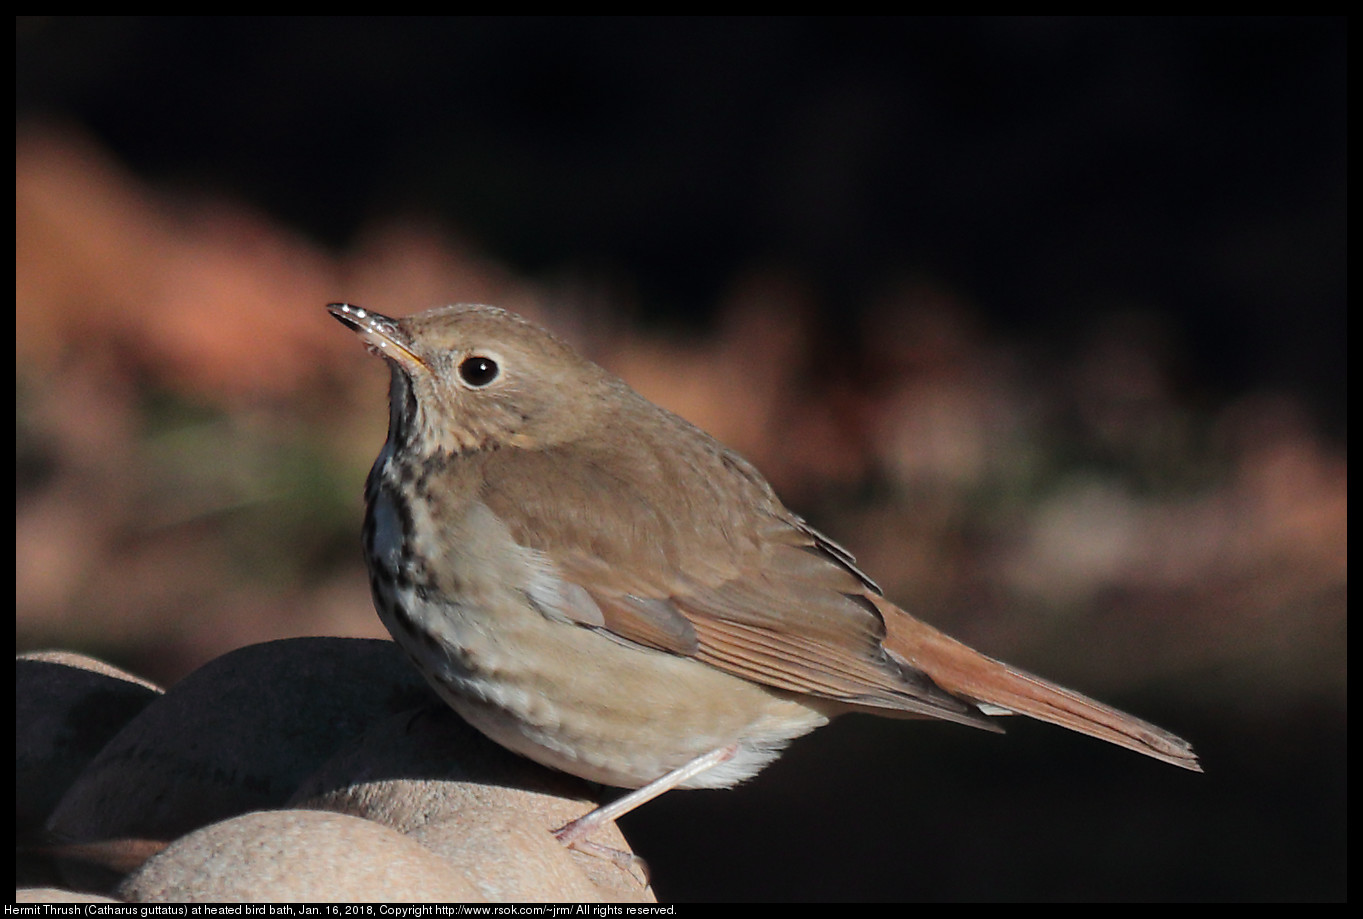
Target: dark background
(1049, 173)
(1042, 164)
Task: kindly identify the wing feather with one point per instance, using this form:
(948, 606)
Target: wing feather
(757, 592)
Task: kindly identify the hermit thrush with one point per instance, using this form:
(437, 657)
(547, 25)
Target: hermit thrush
(598, 585)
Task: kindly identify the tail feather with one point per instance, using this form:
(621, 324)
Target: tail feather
(963, 671)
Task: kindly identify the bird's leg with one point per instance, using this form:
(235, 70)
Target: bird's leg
(574, 834)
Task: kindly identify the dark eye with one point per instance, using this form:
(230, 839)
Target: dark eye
(478, 371)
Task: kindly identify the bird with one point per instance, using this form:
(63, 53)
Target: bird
(596, 584)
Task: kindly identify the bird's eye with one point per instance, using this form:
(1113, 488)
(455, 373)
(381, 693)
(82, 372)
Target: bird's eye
(478, 371)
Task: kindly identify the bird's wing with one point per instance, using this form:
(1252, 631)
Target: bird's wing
(719, 571)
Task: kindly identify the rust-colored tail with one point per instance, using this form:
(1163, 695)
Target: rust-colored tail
(963, 671)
